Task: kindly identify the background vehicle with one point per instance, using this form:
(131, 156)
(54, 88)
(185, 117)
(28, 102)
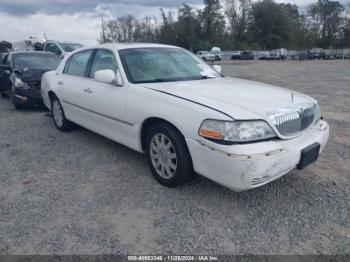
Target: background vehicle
(60, 48)
(236, 55)
(300, 55)
(274, 55)
(206, 56)
(216, 51)
(264, 55)
(109, 89)
(315, 53)
(246, 55)
(20, 76)
(278, 54)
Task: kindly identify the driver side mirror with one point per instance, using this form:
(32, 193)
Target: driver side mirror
(217, 68)
(107, 76)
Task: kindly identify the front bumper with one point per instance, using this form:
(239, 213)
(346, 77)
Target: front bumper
(247, 166)
(28, 97)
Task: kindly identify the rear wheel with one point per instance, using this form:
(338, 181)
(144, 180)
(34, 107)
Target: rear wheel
(59, 117)
(168, 156)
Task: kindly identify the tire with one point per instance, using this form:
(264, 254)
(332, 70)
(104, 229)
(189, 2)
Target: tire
(58, 116)
(168, 156)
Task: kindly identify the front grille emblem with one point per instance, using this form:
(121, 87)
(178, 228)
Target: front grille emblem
(293, 118)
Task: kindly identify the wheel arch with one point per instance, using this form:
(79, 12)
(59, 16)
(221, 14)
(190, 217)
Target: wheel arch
(151, 121)
(51, 95)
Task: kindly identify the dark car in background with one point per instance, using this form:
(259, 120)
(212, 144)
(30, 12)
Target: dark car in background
(20, 76)
(244, 55)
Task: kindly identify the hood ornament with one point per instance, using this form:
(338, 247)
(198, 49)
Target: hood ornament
(292, 97)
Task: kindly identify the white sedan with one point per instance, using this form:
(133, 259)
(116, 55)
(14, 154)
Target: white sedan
(187, 117)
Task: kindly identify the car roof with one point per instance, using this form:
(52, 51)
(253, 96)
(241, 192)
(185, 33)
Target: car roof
(29, 52)
(63, 42)
(122, 46)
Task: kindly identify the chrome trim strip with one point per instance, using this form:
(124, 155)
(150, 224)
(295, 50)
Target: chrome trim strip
(99, 114)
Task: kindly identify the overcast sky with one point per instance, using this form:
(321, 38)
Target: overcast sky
(77, 20)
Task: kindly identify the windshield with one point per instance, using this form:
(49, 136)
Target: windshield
(149, 65)
(36, 61)
(70, 47)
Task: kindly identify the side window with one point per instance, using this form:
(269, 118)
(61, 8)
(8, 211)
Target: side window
(103, 60)
(78, 63)
(53, 48)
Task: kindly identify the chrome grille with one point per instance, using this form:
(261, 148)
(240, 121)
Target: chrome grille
(282, 119)
(294, 118)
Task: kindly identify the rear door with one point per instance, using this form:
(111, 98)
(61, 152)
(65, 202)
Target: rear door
(71, 84)
(5, 74)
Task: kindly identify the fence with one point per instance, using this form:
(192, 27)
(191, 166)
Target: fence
(329, 53)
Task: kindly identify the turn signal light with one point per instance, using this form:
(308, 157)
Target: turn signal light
(210, 134)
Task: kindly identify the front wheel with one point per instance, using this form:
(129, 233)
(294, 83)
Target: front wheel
(168, 156)
(59, 117)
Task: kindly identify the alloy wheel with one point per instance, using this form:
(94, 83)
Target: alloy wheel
(57, 112)
(163, 156)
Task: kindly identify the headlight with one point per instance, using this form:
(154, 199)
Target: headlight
(236, 131)
(20, 84)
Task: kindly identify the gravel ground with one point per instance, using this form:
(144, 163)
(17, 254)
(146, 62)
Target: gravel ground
(79, 193)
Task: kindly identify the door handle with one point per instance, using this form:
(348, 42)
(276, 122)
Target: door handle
(60, 83)
(87, 90)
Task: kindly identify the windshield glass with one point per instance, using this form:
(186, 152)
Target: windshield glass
(70, 47)
(36, 61)
(149, 65)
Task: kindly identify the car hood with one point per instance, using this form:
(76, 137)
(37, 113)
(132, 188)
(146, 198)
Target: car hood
(238, 98)
(31, 74)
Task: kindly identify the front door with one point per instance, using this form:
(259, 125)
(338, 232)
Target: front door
(104, 102)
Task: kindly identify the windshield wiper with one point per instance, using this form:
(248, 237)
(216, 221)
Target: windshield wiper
(161, 80)
(156, 80)
(204, 77)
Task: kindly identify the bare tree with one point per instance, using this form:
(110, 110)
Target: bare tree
(237, 14)
(325, 18)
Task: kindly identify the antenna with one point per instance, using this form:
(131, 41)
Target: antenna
(103, 30)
